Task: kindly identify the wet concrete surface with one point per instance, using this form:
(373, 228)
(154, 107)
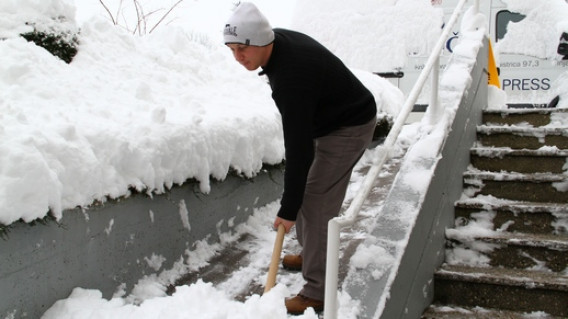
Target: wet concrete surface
(234, 256)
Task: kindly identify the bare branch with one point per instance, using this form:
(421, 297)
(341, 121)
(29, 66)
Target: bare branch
(118, 10)
(126, 27)
(142, 18)
(165, 15)
(108, 11)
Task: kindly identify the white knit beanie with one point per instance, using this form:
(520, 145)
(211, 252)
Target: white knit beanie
(248, 26)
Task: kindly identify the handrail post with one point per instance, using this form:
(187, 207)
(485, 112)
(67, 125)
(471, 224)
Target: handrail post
(435, 79)
(332, 269)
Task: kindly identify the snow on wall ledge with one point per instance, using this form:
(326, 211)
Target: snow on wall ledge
(401, 286)
(142, 113)
(105, 124)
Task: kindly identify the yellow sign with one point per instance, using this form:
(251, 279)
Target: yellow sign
(493, 77)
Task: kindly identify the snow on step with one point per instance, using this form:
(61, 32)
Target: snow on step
(475, 245)
(555, 242)
(526, 117)
(505, 276)
(491, 204)
(501, 152)
(537, 187)
(502, 288)
(512, 216)
(446, 312)
(546, 159)
(523, 136)
(505, 176)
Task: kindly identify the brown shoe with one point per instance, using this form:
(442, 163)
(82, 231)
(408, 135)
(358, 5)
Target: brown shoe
(298, 304)
(292, 262)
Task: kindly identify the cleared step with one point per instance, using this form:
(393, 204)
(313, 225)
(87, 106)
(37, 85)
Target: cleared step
(515, 250)
(534, 117)
(538, 187)
(502, 288)
(448, 312)
(547, 159)
(520, 137)
(539, 218)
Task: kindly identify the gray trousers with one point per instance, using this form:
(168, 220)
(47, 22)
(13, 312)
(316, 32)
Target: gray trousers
(335, 156)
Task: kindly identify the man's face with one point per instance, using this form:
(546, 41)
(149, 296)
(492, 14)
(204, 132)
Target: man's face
(251, 57)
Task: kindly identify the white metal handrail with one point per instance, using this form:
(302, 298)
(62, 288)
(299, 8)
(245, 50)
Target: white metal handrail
(381, 153)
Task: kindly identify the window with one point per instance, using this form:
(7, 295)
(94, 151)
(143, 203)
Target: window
(503, 19)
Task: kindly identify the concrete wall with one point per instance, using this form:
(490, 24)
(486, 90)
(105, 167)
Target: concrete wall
(412, 289)
(105, 246)
(406, 288)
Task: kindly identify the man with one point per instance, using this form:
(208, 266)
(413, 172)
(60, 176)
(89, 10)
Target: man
(328, 119)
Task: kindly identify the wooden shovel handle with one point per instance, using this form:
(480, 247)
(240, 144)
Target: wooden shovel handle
(273, 268)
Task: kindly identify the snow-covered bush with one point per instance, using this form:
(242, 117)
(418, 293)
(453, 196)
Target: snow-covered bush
(47, 23)
(60, 43)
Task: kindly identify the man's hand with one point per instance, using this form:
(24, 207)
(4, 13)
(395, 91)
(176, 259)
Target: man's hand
(287, 223)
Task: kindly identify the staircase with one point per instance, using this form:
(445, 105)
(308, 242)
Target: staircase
(507, 256)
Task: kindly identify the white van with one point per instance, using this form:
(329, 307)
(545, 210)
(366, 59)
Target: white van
(527, 77)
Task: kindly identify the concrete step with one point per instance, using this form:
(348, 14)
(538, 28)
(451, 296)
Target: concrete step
(544, 160)
(502, 288)
(446, 312)
(512, 222)
(533, 117)
(538, 218)
(538, 187)
(515, 250)
(521, 137)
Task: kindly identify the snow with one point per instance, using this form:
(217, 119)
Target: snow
(149, 112)
(537, 39)
(148, 298)
(373, 256)
(562, 90)
(374, 24)
(180, 305)
(165, 118)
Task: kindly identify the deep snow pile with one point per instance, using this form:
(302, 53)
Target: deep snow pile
(149, 112)
(129, 112)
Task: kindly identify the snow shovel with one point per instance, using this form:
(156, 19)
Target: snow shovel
(273, 268)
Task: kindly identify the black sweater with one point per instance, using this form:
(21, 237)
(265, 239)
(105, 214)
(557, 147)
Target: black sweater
(315, 94)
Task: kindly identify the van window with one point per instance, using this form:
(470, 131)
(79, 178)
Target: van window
(503, 19)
